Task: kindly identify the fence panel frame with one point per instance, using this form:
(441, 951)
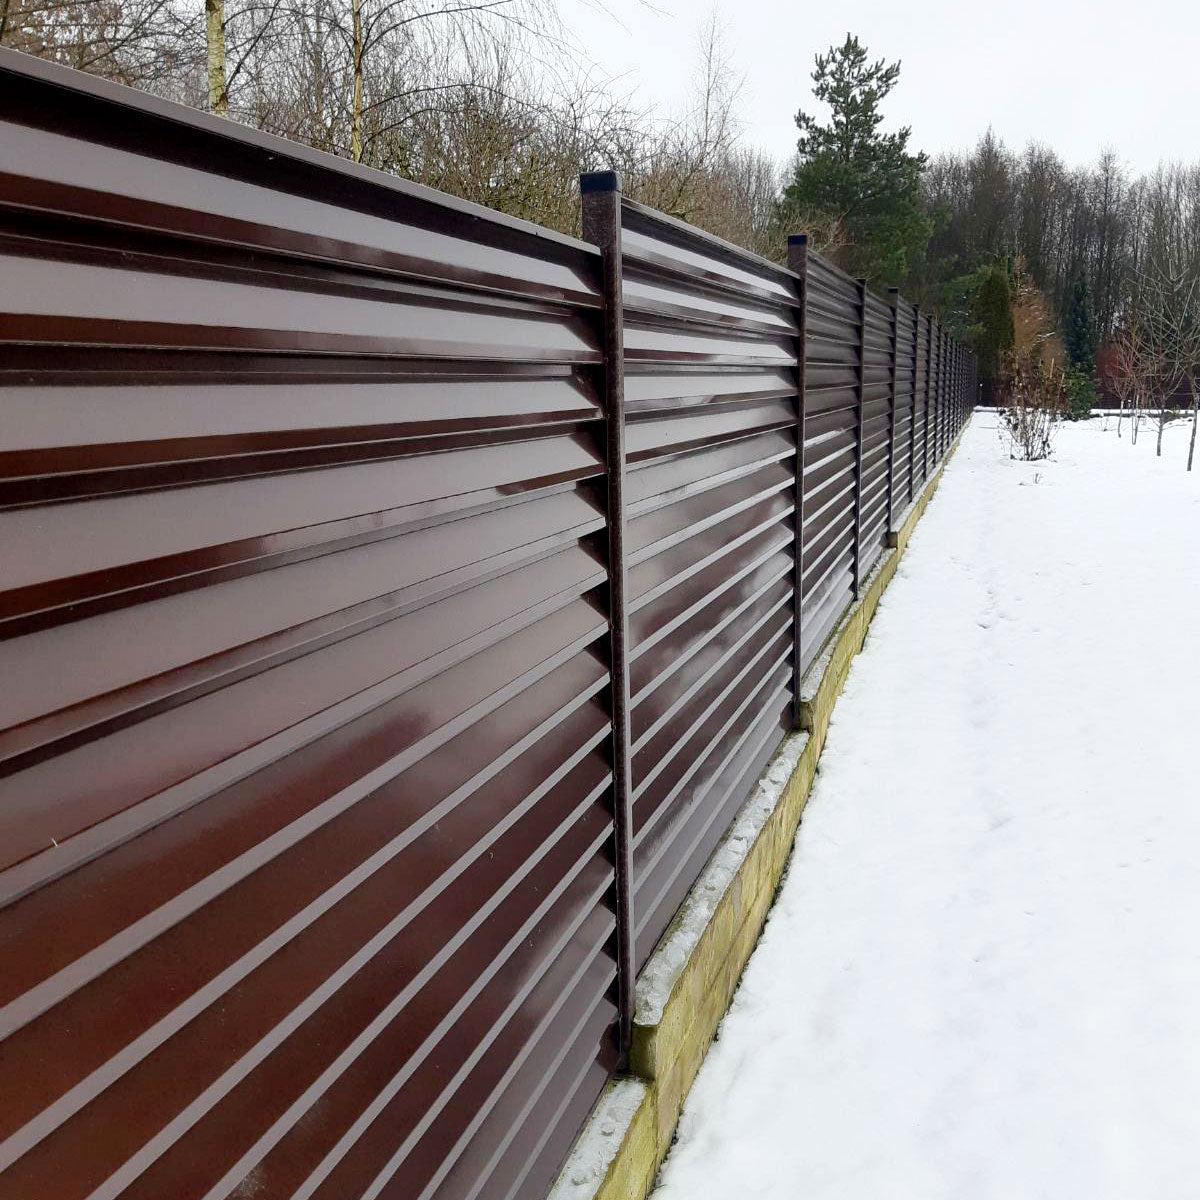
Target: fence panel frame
(600, 196)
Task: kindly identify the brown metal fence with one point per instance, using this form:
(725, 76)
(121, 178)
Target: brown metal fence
(396, 602)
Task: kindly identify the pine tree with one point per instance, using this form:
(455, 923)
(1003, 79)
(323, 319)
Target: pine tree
(1078, 331)
(850, 170)
(992, 321)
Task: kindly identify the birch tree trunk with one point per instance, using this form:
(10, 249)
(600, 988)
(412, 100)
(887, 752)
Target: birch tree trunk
(218, 87)
(356, 118)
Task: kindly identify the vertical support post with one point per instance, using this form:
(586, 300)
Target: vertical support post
(894, 351)
(797, 260)
(601, 196)
(912, 414)
(858, 433)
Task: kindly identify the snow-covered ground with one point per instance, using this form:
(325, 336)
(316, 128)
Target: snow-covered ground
(981, 979)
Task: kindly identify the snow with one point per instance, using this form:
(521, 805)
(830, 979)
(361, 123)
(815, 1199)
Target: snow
(671, 955)
(981, 979)
(592, 1153)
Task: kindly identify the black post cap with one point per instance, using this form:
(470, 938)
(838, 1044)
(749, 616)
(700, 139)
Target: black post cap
(599, 181)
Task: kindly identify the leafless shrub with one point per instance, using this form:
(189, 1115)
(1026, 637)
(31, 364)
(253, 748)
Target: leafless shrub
(1125, 372)
(1036, 403)
(486, 99)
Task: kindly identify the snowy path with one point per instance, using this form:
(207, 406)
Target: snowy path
(981, 979)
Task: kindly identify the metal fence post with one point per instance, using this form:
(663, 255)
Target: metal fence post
(797, 260)
(894, 349)
(601, 195)
(858, 433)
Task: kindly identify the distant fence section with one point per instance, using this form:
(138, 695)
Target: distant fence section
(397, 601)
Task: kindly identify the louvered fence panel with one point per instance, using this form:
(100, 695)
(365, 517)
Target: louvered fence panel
(306, 813)
(710, 391)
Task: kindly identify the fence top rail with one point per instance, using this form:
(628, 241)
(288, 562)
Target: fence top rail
(833, 269)
(717, 246)
(62, 100)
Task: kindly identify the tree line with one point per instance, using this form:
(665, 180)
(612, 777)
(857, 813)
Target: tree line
(487, 99)
(1041, 266)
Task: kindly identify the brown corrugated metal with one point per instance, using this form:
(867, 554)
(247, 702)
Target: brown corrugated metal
(906, 374)
(876, 419)
(312, 850)
(710, 358)
(831, 398)
(306, 823)
(924, 398)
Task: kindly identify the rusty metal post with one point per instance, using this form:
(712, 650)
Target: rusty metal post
(858, 433)
(797, 260)
(601, 196)
(893, 351)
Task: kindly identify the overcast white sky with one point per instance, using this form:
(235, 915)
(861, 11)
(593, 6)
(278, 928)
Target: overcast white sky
(1076, 75)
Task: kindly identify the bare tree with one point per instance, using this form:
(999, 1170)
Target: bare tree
(139, 42)
(1126, 370)
(1166, 300)
(486, 99)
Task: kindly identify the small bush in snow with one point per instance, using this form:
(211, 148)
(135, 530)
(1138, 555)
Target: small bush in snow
(1037, 401)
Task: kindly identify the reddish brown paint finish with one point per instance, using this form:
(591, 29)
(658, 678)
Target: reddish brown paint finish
(312, 870)
(305, 846)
